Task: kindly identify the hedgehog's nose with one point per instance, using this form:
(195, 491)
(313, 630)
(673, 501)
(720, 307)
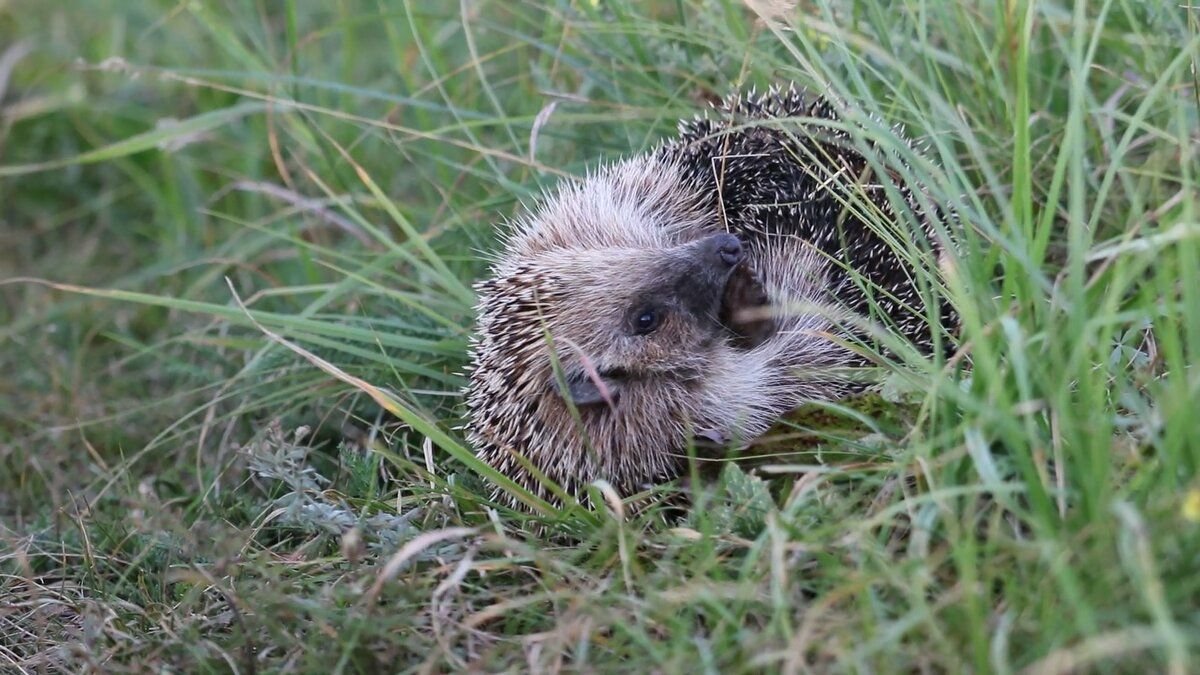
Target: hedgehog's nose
(728, 248)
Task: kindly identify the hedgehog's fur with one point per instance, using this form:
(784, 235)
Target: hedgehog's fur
(561, 306)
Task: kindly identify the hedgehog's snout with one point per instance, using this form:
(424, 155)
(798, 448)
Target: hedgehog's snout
(727, 248)
(701, 270)
(713, 256)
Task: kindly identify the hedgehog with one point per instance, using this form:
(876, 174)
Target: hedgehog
(684, 299)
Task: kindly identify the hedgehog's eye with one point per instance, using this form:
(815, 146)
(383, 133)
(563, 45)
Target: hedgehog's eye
(645, 321)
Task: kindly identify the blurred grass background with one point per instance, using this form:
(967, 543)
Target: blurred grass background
(178, 490)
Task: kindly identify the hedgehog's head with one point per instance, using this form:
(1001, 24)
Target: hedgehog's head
(591, 362)
(636, 318)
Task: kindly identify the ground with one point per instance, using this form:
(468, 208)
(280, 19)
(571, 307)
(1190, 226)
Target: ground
(236, 247)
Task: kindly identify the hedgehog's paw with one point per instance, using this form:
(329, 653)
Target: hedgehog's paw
(746, 309)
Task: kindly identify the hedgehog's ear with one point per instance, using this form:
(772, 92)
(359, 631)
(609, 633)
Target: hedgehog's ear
(587, 389)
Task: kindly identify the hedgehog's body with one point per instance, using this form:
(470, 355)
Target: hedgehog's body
(627, 295)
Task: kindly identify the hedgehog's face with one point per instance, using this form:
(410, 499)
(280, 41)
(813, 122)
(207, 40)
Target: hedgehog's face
(638, 319)
(631, 337)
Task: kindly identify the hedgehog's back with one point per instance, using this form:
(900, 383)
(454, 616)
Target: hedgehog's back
(784, 164)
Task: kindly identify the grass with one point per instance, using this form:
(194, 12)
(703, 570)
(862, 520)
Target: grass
(236, 247)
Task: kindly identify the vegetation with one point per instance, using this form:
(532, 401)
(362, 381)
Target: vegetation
(236, 246)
